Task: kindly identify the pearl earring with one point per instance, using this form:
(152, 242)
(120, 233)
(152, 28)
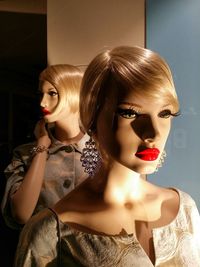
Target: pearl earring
(161, 160)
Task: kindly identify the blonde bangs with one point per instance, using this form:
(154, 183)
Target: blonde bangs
(120, 69)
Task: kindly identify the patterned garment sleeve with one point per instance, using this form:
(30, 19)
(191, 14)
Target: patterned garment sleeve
(14, 174)
(37, 245)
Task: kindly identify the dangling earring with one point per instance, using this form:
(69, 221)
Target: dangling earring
(90, 158)
(161, 160)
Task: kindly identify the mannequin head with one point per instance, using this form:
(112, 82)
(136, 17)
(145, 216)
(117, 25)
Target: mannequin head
(126, 68)
(130, 91)
(61, 83)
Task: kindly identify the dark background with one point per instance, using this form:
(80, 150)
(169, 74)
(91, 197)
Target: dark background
(23, 55)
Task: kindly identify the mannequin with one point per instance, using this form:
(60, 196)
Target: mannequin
(116, 217)
(44, 171)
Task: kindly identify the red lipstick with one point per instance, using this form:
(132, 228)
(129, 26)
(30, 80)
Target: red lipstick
(148, 154)
(45, 112)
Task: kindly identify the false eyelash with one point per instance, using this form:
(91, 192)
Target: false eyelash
(124, 112)
(166, 113)
(176, 114)
(129, 108)
(52, 93)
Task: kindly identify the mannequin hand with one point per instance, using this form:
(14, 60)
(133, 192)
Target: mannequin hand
(41, 134)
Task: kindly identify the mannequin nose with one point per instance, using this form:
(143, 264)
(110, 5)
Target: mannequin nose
(151, 131)
(43, 103)
(149, 139)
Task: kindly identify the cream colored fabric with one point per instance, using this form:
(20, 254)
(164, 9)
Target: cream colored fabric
(176, 244)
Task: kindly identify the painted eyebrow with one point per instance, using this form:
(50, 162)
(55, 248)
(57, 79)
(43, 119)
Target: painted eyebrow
(130, 104)
(136, 105)
(49, 89)
(52, 88)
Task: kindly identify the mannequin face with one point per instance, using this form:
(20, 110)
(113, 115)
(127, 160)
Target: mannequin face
(49, 98)
(49, 101)
(134, 131)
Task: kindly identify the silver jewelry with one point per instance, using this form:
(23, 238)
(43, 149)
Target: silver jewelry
(161, 160)
(38, 149)
(90, 158)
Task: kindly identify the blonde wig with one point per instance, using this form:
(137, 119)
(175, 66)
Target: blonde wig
(66, 79)
(124, 68)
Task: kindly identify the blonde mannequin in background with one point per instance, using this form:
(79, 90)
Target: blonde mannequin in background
(116, 217)
(44, 171)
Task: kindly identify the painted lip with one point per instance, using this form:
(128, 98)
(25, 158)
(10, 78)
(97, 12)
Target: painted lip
(45, 112)
(148, 154)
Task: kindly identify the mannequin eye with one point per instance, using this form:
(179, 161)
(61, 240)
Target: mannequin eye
(127, 113)
(167, 114)
(52, 93)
